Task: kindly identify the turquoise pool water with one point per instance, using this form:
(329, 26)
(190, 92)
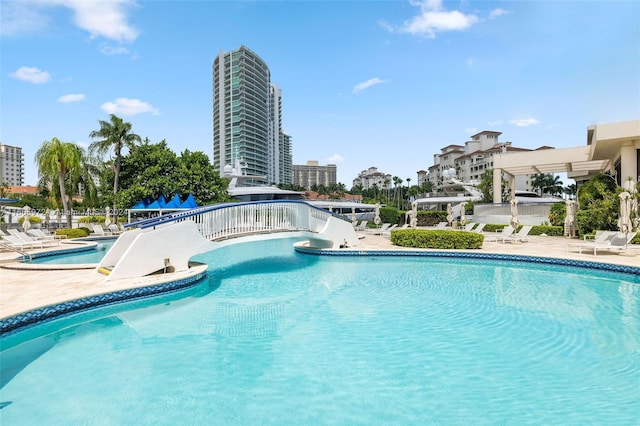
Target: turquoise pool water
(90, 256)
(280, 338)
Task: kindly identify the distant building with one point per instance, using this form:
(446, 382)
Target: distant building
(11, 165)
(372, 177)
(312, 173)
(247, 119)
(468, 162)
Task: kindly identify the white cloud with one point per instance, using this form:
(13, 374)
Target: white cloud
(126, 106)
(335, 158)
(31, 75)
(497, 12)
(433, 19)
(108, 19)
(524, 122)
(366, 84)
(71, 97)
(21, 17)
(111, 50)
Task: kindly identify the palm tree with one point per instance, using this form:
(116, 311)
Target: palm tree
(539, 182)
(55, 160)
(114, 135)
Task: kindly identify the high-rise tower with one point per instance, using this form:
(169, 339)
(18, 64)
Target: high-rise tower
(247, 118)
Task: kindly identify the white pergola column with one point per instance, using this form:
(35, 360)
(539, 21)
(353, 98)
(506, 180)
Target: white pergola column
(497, 186)
(628, 162)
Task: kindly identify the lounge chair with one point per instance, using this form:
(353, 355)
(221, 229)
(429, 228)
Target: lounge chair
(379, 231)
(441, 225)
(614, 241)
(16, 242)
(362, 225)
(115, 230)
(26, 238)
(505, 233)
(99, 230)
(478, 229)
(40, 235)
(522, 235)
(387, 232)
(468, 227)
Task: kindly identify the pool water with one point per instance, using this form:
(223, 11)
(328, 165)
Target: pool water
(89, 256)
(276, 337)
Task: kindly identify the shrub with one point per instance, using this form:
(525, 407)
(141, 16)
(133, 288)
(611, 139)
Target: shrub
(92, 219)
(32, 219)
(73, 232)
(436, 239)
(389, 214)
(552, 231)
(557, 213)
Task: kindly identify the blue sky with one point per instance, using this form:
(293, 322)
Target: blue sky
(365, 83)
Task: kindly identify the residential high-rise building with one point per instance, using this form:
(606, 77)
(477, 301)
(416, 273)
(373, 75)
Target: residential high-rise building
(11, 165)
(312, 173)
(373, 178)
(247, 119)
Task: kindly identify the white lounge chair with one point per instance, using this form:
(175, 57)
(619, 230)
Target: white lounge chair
(478, 229)
(387, 232)
(100, 231)
(40, 235)
(522, 235)
(468, 227)
(16, 242)
(618, 241)
(26, 238)
(362, 226)
(115, 230)
(506, 232)
(440, 225)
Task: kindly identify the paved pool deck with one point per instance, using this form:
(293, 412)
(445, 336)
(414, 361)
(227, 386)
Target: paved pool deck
(25, 287)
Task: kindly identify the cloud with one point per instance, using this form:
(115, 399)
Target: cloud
(433, 19)
(72, 97)
(335, 158)
(111, 50)
(366, 84)
(497, 12)
(21, 17)
(108, 19)
(524, 122)
(126, 106)
(31, 75)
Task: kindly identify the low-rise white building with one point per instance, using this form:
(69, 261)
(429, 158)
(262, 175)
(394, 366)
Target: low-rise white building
(372, 177)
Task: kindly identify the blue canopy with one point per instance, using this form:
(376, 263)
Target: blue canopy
(161, 204)
(189, 203)
(174, 203)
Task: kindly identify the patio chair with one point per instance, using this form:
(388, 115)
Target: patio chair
(40, 235)
(478, 229)
(26, 238)
(16, 242)
(387, 232)
(468, 227)
(115, 230)
(521, 236)
(505, 233)
(362, 225)
(379, 231)
(440, 225)
(100, 231)
(618, 241)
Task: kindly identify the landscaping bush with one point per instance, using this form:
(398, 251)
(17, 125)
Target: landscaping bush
(553, 231)
(389, 214)
(32, 219)
(92, 219)
(73, 232)
(436, 239)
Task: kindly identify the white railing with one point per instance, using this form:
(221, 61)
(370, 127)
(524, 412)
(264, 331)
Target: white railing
(169, 241)
(228, 220)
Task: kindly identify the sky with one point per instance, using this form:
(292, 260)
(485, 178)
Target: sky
(383, 84)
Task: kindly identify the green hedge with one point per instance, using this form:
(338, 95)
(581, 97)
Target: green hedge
(73, 232)
(436, 239)
(32, 219)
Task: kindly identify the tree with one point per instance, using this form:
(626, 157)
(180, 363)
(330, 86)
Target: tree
(539, 182)
(571, 190)
(197, 176)
(115, 135)
(55, 160)
(486, 187)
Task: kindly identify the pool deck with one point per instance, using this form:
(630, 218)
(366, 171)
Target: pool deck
(34, 286)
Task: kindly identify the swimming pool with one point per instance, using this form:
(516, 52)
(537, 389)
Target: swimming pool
(89, 256)
(277, 337)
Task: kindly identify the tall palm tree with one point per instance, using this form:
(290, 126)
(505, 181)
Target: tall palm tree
(115, 135)
(55, 160)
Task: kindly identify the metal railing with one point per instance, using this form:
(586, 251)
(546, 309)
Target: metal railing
(221, 221)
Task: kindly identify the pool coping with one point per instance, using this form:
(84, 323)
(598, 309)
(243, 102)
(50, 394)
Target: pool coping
(24, 320)
(602, 266)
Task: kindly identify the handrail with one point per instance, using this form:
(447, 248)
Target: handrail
(23, 253)
(174, 216)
